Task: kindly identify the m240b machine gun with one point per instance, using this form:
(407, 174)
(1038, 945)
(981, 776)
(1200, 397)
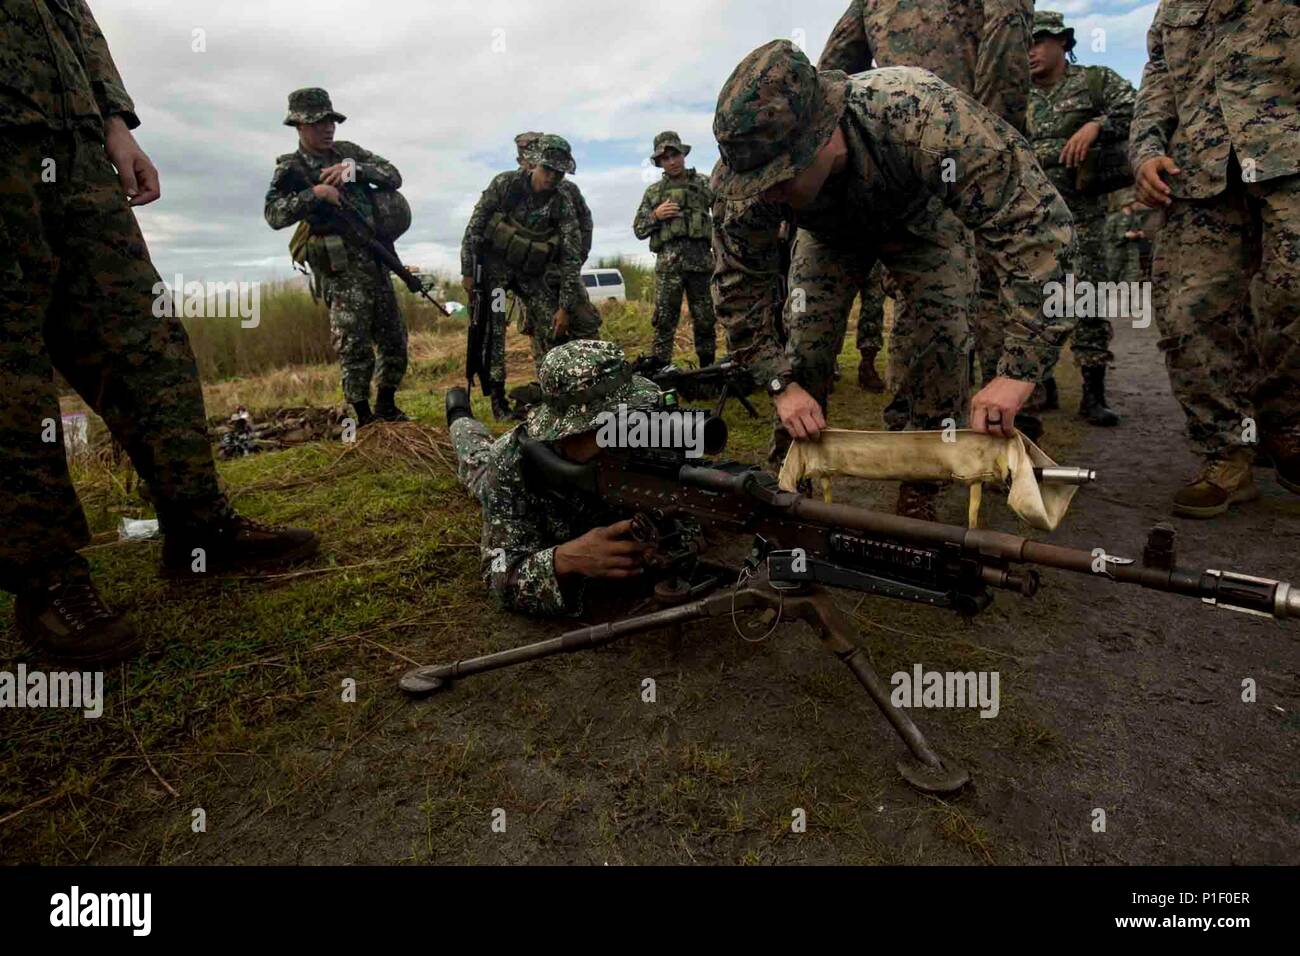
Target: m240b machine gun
(802, 546)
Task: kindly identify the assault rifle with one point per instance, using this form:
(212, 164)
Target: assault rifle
(723, 380)
(478, 336)
(802, 546)
(350, 223)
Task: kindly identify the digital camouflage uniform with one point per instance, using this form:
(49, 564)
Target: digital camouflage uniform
(683, 249)
(1129, 260)
(521, 525)
(356, 287)
(1219, 96)
(1055, 115)
(900, 125)
(981, 47)
(77, 294)
(543, 287)
(871, 311)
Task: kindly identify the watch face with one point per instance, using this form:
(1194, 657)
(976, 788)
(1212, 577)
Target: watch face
(775, 385)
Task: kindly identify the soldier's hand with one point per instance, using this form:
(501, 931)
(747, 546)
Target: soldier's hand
(1077, 146)
(328, 193)
(1152, 190)
(800, 413)
(993, 409)
(338, 174)
(561, 320)
(667, 210)
(607, 552)
(467, 283)
(135, 171)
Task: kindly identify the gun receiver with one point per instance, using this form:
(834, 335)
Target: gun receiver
(723, 380)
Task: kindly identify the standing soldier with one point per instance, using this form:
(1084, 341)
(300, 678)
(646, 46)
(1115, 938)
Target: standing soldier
(871, 328)
(860, 160)
(1216, 143)
(675, 216)
(524, 142)
(1074, 110)
(79, 294)
(364, 317)
(526, 234)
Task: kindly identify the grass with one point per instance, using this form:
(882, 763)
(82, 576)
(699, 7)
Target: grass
(236, 704)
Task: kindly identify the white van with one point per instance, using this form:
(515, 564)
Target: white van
(604, 284)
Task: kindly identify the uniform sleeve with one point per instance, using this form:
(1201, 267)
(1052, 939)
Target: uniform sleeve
(585, 224)
(105, 81)
(847, 48)
(572, 294)
(1002, 65)
(995, 186)
(1120, 97)
(1155, 109)
(375, 170)
(487, 204)
(285, 205)
(746, 284)
(644, 223)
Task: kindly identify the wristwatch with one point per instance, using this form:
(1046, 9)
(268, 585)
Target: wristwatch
(779, 384)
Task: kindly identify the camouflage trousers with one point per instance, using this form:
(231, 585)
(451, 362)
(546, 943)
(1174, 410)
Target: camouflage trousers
(1227, 270)
(540, 302)
(933, 275)
(365, 319)
(472, 442)
(670, 286)
(78, 294)
(871, 311)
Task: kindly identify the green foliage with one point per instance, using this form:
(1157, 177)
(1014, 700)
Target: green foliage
(639, 279)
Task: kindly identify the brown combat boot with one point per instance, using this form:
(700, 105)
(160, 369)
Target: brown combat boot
(868, 378)
(233, 543)
(916, 499)
(1284, 448)
(1224, 480)
(67, 620)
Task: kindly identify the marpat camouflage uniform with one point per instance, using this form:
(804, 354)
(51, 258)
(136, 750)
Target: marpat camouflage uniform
(78, 294)
(1055, 115)
(522, 526)
(356, 287)
(871, 311)
(981, 47)
(905, 132)
(1219, 96)
(682, 264)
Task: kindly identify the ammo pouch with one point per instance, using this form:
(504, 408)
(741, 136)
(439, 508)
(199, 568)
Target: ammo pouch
(327, 254)
(525, 251)
(693, 223)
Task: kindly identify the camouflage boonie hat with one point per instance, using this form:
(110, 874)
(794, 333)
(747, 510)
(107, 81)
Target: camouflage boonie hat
(774, 113)
(579, 381)
(1053, 24)
(525, 141)
(311, 106)
(553, 152)
(668, 140)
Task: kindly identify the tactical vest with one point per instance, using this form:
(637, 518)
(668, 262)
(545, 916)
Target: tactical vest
(693, 223)
(523, 250)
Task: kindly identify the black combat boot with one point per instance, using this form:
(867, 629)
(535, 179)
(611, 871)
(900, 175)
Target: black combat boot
(1092, 405)
(231, 542)
(1051, 397)
(363, 413)
(386, 409)
(457, 405)
(66, 619)
(501, 409)
(868, 378)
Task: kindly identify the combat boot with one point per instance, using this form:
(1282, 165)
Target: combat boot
(1092, 404)
(916, 499)
(232, 542)
(501, 409)
(65, 619)
(868, 378)
(1284, 449)
(363, 413)
(386, 409)
(1051, 395)
(458, 405)
(1224, 480)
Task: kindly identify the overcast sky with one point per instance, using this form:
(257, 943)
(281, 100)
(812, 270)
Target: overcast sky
(440, 89)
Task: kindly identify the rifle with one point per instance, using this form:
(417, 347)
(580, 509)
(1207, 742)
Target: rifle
(478, 336)
(726, 379)
(801, 546)
(350, 223)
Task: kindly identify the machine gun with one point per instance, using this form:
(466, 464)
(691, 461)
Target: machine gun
(802, 546)
(348, 222)
(723, 380)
